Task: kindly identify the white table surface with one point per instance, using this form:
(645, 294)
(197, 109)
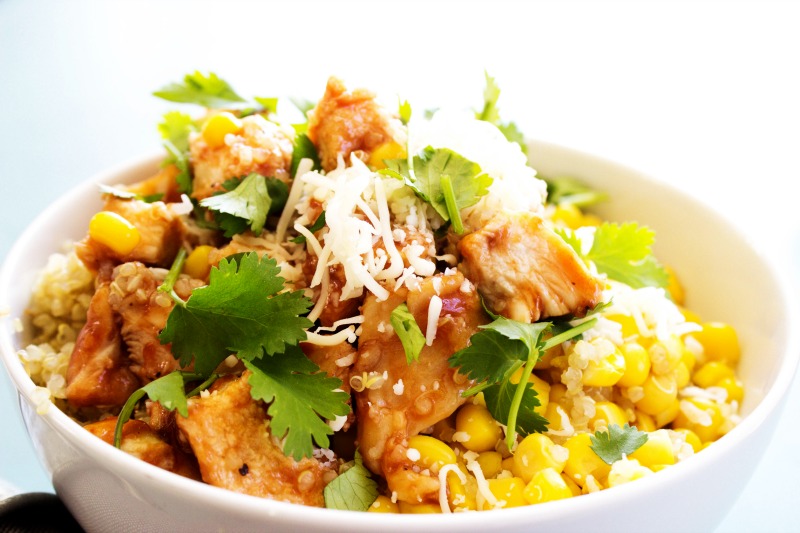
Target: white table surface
(704, 95)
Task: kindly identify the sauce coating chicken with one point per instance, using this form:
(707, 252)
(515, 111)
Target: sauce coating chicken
(345, 122)
(260, 146)
(525, 271)
(416, 396)
(160, 231)
(229, 433)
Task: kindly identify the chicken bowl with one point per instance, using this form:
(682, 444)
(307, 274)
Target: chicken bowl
(597, 444)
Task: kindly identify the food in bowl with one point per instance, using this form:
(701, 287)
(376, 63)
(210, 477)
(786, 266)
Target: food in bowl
(374, 311)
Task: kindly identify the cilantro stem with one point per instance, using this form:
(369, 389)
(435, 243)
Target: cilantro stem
(125, 414)
(203, 386)
(567, 335)
(450, 202)
(513, 412)
(172, 276)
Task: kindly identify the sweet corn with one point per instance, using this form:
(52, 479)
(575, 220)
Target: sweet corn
(629, 327)
(196, 265)
(702, 416)
(720, 342)
(582, 461)
(115, 231)
(734, 388)
(607, 413)
(660, 393)
(682, 375)
(546, 485)
(665, 354)
(690, 316)
(674, 287)
(491, 463)
(218, 126)
(555, 415)
(668, 414)
(557, 393)
(385, 151)
(604, 372)
(637, 365)
(625, 471)
(656, 451)
(711, 373)
(418, 508)
(542, 389)
(590, 219)
(691, 438)
(479, 429)
(573, 487)
(461, 496)
(508, 491)
(644, 422)
(383, 504)
(688, 358)
(537, 452)
(434, 453)
(568, 215)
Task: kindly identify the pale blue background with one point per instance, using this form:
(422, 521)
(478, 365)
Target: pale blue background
(702, 94)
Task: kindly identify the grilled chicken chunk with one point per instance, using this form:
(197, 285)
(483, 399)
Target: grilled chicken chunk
(99, 372)
(143, 442)
(345, 122)
(143, 311)
(414, 396)
(229, 434)
(525, 271)
(160, 231)
(260, 146)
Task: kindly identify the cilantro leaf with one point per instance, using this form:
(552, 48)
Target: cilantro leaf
(612, 444)
(500, 400)
(181, 160)
(352, 490)
(566, 190)
(247, 203)
(490, 357)
(298, 394)
(304, 149)
(270, 105)
(175, 127)
(129, 195)
(491, 113)
(303, 105)
(624, 253)
(445, 179)
(240, 311)
(207, 90)
(407, 330)
(404, 111)
(313, 228)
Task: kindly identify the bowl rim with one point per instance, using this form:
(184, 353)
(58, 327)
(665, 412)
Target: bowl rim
(126, 465)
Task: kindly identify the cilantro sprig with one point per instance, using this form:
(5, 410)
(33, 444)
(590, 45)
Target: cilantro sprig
(247, 203)
(610, 445)
(491, 113)
(624, 253)
(407, 330)
(208, 90)
(352, 490)
(493, 358)
(443, 178)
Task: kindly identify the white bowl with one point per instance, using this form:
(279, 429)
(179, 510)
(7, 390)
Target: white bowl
(726, 279)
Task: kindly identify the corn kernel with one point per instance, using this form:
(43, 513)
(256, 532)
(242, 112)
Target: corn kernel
(625, 471)
(604, 372)
(656, 451)
(674, 287)
(461, 496)
(582, 461)
(734, 388)
(491, 463)
(546, 485)
(196, 265)
(665, 354)
(688, 358)
(720, 342)
(690, 316)
(218, 126)
(682, 375)
(590, 219)
(659, 394)
(508, 464)
(691, 438)
(607, 413)
(480, 430)
(637, 365)
(386, 151)
(537, 452)
(508, 491)
(702, 416)
(418, 508)
(556, 415)
(383, 504)
(629, 327)
(434, 454)
(668, 414)
(568, 215)
(115, 231)
(573, 487)
(644, 422)
(711, 373)
(557, 392)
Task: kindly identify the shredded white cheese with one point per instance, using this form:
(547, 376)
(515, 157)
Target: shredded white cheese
(446, 469)
(434, 310)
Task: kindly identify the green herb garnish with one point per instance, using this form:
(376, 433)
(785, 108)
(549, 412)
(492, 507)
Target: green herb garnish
(610, 445)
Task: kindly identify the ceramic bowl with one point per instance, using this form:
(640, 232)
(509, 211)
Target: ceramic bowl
(725, 278)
